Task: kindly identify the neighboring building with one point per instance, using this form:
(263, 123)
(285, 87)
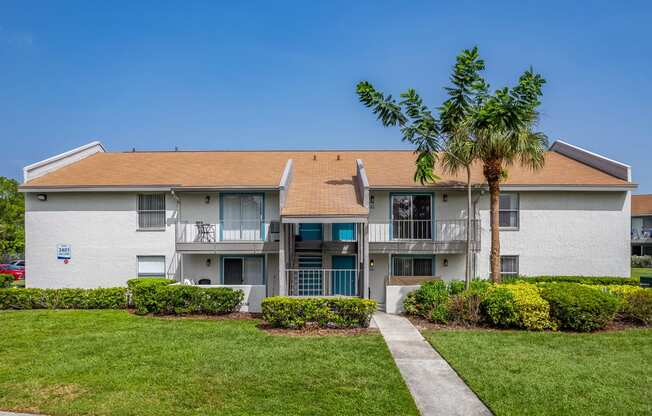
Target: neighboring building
(306, 223)
(642, 225)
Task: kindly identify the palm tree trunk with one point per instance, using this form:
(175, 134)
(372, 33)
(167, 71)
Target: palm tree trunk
(467, 276)
(494, 195)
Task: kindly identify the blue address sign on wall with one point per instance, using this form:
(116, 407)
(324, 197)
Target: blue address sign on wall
(64, 252)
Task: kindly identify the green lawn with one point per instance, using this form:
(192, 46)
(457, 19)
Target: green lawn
(638, 272)
(113, 363)
(530, 373)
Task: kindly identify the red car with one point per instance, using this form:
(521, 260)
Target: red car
(14, 269)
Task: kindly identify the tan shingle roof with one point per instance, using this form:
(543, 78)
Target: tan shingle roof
(396, 169)
(641, 205)
(325, 186)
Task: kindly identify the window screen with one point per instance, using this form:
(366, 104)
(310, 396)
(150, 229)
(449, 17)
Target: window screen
(412, 266)
(151, 266)
(508, 266)
(508, 210)
(151, 211)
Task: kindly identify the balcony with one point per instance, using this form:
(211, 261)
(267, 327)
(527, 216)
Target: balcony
(228, 236)
(641, 235)
(323, 282)
(422, 236)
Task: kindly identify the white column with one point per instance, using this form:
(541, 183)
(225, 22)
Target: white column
(282, 280)
(365, 259)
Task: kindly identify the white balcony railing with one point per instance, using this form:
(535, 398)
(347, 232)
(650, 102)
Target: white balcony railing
(201, 232)
(428, 230)
(641, 233)
(323, 282)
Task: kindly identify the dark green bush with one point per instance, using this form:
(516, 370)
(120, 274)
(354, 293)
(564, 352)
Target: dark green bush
(183, 299)
(455, 287)
(429, 301)
(102, 298)
(499, 307)
(286, 312)
(142, 290)
(587, 280)
(6, 280)
(579, 307)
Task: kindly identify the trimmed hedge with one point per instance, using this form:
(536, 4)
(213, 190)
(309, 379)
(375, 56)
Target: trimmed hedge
(286, 312)
(142, 291)
(587, 280)
(580, 307)
(166, 299)
(102, 298)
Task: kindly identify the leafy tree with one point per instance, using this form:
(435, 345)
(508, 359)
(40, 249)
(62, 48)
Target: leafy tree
(496, 129)
(12, 218)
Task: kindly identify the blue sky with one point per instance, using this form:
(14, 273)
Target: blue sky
(268, 75)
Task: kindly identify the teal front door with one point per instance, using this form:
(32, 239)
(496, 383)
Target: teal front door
(343, 279)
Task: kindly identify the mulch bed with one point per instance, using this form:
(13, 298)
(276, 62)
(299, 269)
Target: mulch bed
(423, 324)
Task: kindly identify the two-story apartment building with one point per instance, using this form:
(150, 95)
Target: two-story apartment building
(312, 223)
(642, 225)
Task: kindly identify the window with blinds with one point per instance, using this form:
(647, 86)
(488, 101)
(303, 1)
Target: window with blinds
(508, 266)
(508, 210)
(412, 266)
(151, 266)
(151, 211)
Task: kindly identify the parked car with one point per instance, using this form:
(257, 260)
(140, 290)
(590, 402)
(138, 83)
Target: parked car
(17, 271)
(19, 263)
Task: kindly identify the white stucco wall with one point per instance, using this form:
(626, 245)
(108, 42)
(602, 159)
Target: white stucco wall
(102, 230)
(565, 233)
(395, 297)
(378, 276)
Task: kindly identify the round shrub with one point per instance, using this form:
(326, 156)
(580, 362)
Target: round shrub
(429, 301)
(499, 307)
(579, 307)
(518, 305)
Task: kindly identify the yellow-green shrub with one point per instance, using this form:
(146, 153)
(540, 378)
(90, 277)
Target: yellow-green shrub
(517, 305)
(635, 304)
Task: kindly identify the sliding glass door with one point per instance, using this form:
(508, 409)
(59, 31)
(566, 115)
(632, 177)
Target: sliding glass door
(412, 217)
(246, 270)
(242, 217)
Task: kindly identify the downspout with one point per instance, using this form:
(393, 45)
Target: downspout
(176, 232)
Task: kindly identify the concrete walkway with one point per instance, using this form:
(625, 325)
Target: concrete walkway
(436, 388)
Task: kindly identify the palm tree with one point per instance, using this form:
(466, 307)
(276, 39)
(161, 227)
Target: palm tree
(496, 129)
(466, 96)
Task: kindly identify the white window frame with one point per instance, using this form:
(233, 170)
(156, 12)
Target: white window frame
(147, 211)
(517, 201)
(509, 274)
(148, 274)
